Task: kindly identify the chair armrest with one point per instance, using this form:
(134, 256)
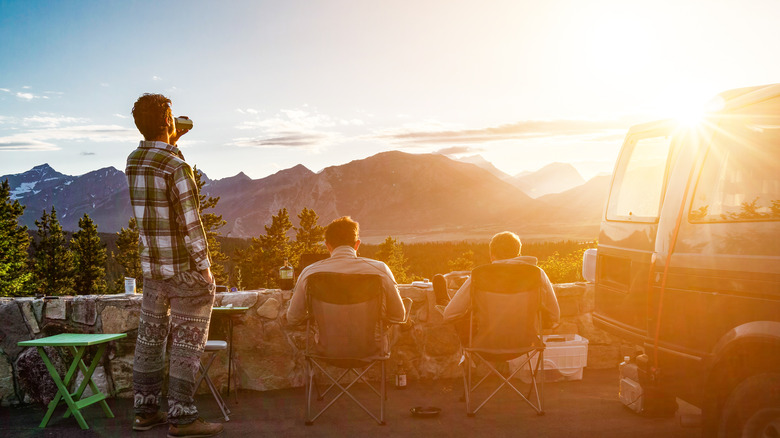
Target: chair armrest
(407, 311)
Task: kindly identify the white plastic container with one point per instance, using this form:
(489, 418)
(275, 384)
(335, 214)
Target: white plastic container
(565, 357)
(589, 265)
(630, 392)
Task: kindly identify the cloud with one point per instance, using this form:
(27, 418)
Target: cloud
(519, 130)
(121, 116)
(287, 139)
(460, 150)
(47, 120)
(302, 127)
(87, 153)
(13, 143)
(156, 78)
(44, 138)
(29, 96)
(24, 95)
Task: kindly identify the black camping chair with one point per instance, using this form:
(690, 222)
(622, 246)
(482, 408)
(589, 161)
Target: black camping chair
(505, 324)
(350, 335)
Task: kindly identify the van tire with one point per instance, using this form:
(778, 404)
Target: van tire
(752, 409)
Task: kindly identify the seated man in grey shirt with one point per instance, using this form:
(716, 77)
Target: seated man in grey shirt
(504, 248)
(342, 240)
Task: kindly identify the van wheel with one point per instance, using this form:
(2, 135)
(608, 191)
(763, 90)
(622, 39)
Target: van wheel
(752, 410)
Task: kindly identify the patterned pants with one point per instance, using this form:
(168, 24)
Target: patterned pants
(180, 306)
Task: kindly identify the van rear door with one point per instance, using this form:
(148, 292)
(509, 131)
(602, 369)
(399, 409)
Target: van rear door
(628, 230)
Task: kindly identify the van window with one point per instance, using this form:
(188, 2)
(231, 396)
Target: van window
(639, 181)
(740, 179)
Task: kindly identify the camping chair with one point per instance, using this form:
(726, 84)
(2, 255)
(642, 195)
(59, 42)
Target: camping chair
(504, 325)
(350, 335)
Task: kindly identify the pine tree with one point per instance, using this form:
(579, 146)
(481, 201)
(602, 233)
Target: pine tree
(14, 241)
(211, 223)
(308, 235)
(392, 253)
(260, 263)
(89, 257)
(53, 271)
(463, 263)
(128, 256)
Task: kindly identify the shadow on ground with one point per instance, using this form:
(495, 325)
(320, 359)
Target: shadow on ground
(579, 408)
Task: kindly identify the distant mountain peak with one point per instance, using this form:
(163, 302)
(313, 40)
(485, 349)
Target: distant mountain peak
(553, 178)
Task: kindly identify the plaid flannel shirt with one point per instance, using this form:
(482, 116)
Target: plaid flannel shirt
(164, 196)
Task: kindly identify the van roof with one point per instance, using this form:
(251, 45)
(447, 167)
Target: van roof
(737, 98)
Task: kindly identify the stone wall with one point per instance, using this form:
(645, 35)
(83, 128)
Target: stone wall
(268, 351)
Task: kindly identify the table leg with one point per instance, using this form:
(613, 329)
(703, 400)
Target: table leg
(62, 388)
(87, 372)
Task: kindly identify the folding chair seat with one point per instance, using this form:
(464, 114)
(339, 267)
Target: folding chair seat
(350, 336)
(211, 351)
(505, 324)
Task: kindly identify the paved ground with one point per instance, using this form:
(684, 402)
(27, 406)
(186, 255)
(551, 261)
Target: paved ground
(580, 408)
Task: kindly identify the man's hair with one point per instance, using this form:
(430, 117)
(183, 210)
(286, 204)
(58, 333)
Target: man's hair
(150, 112)
(505, 245)
(342, 231)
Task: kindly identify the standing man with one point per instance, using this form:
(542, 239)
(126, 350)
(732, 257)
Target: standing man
(178, 287)
(342, 239)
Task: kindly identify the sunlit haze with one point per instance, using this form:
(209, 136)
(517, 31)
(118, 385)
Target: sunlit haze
(273, 84)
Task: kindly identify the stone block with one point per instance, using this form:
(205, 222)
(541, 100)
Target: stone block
(570, 298)
(565, 327)
(239, 299)
(269, 309)
(417, 294)
(441, 340)
(84, 310)
(99, 377)
(56, 309)
(13, 328)
(588, 298)
(247, 335)
(37, 306)
(591, 332)
(35, 382)
(7, 393)
(119, 319)
(122, 376)
(29, 316)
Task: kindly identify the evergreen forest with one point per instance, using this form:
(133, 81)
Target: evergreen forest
(50, 261)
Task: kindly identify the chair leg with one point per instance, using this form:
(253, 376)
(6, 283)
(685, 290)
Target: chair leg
(344, 390)
(309, 384)
(541, 385)
(467, 383)
(383, 396)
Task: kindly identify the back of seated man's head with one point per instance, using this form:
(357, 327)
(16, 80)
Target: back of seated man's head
(505, 245)
(342, 231)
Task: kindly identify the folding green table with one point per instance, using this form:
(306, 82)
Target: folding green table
(71, 341)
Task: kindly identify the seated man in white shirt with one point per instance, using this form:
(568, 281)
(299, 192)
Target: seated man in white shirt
(504, 248)
(342, 240)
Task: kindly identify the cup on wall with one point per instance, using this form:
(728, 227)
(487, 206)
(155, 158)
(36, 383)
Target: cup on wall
(129, 285)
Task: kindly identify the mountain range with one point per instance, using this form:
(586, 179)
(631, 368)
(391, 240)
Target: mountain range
(412, 197)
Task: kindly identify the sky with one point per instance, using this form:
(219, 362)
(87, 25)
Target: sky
(273, 84)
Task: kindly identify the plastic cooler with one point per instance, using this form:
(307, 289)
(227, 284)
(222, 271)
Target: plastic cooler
(565, 356)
